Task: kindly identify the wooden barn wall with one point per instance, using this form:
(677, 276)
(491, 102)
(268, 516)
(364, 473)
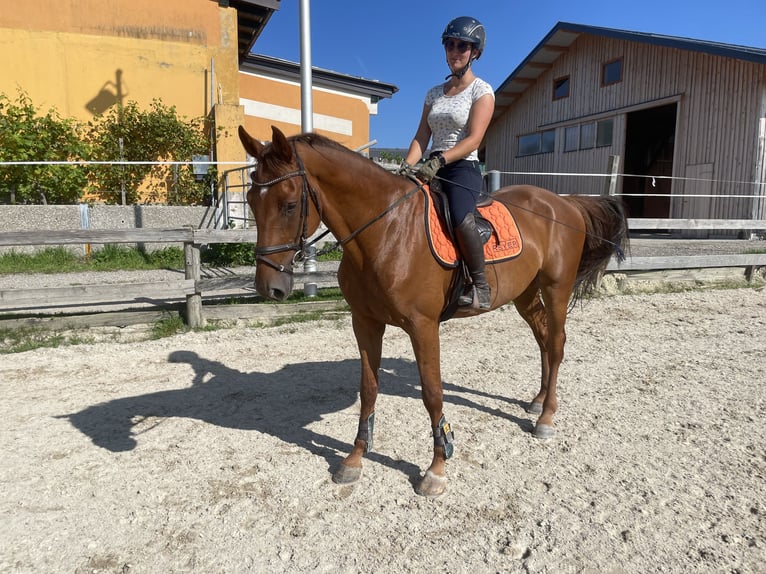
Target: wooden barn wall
(720, 103)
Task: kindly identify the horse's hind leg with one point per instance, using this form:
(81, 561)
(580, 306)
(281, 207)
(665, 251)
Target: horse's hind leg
(546, 317)
(369, 338)
(530, 307)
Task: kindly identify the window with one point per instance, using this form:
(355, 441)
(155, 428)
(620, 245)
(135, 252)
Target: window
(611, 72)
(549, 141)
(561, 88)
(529, 144)
(604, 133)
(572, 138)
(540, 142)
(587, 136)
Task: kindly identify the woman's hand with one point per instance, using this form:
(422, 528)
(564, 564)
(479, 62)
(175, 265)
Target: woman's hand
(427, 171)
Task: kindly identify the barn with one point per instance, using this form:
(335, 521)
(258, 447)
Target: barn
(681, 121)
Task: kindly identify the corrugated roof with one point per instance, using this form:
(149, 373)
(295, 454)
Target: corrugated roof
(564, 34)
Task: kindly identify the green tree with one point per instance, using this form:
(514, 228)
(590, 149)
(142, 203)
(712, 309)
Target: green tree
(25, 135)
(156, 134)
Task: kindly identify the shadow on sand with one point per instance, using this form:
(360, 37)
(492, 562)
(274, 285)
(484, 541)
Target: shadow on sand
(282, 404)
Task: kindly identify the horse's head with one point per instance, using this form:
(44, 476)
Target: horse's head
(284, 217)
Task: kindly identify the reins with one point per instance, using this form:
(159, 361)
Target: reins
(391, 207)
(617, 248)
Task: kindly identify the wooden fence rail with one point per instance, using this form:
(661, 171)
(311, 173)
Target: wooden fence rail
(193, 285)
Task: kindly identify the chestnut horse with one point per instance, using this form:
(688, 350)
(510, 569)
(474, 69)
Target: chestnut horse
(389, 276)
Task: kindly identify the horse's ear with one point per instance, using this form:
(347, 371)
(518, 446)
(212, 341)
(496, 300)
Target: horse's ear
(251, 145)
(280, 146)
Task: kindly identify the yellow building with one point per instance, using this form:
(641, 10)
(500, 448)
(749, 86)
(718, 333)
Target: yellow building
(82, 57)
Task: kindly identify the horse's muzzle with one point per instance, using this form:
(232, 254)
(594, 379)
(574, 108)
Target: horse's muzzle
(273, 285)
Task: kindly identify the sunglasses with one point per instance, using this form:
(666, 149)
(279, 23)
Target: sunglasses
(460, 46)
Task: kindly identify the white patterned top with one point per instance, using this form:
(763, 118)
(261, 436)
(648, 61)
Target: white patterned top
(448, 116)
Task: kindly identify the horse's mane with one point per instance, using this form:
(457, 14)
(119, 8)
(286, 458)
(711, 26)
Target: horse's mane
(317, 142)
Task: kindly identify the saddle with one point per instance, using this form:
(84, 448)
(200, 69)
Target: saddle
(497, 229)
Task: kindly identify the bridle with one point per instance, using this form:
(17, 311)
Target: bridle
(301, 243)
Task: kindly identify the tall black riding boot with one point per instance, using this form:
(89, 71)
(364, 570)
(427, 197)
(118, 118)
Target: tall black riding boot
(472, 249)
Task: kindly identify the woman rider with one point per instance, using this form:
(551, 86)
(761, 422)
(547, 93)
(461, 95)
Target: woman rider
(455, 117)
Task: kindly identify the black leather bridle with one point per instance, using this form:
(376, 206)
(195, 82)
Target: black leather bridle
(300, 243)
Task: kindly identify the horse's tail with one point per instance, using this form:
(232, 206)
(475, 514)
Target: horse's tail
(606, 233)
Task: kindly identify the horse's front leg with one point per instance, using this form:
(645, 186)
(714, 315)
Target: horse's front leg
(369, 339)
(425, 343)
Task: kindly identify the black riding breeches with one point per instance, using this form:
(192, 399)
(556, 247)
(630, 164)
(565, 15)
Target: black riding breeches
(461, 181)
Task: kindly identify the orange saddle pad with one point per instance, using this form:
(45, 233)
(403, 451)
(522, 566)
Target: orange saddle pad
(504, 243)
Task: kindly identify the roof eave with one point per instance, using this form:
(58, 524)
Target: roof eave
(257, 63)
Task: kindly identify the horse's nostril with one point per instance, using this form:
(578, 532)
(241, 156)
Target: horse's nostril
(278, 295)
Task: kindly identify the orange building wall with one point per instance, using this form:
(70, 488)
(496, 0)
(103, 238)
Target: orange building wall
(342, 117)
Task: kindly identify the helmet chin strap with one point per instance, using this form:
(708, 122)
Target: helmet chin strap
(460, 73)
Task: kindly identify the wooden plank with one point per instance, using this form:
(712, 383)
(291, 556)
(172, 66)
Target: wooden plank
(687, 262)
(79, 295)
(208, 236)
(79, 236)
(270, 311)
(245, 282)
(203, 236)
(710, 274)
(97, 319)
(670, 224)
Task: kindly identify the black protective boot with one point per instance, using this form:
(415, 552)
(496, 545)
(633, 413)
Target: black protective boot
(472, 250)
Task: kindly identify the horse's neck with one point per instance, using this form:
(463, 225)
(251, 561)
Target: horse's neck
(352, 196)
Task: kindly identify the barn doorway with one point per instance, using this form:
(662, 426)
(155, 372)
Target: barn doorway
(649, 143)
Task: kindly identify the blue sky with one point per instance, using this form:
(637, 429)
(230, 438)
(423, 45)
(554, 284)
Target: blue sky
(399, 42)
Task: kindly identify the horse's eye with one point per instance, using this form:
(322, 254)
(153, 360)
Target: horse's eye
(290, 207)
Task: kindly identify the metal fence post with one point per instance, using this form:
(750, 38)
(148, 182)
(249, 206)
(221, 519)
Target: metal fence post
(310, 267)
(493, 181)
(613, 170)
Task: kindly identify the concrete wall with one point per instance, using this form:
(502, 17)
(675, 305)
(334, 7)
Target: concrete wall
(72, 217)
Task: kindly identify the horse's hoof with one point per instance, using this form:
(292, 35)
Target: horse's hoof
(347, 474)
(432, 485)
(535, 408)
(544, 431)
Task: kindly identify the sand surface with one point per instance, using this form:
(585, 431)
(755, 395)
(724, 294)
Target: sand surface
(213, 451)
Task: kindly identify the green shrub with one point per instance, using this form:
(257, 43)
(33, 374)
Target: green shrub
(229, 254)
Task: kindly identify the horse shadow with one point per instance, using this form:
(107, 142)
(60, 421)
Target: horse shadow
(282, 404)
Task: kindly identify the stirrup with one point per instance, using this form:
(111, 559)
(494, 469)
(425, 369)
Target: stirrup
(484, 298)
(466, 297)
(471, 293)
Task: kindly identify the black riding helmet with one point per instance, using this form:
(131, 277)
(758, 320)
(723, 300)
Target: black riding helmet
(467, 29)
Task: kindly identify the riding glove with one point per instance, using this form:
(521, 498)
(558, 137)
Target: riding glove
(428, 169)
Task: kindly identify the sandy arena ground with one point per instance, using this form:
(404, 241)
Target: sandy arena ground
(213, 451)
